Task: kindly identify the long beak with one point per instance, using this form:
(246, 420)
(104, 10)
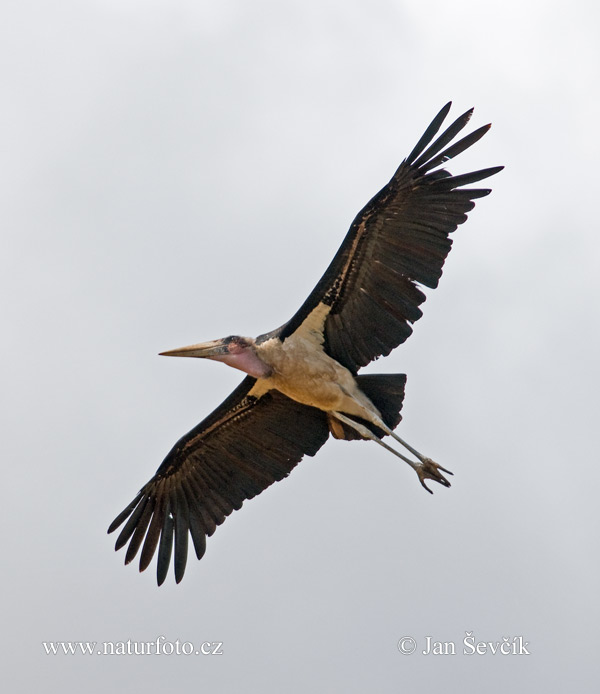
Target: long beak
(213, 348)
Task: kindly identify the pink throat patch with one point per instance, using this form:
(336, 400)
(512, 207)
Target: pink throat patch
(246, 361)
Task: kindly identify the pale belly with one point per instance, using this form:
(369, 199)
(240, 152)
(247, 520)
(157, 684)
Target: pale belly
(311, 377)
(312, 390)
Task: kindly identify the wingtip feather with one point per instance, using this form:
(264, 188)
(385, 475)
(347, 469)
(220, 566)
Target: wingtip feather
(429, 133)
(125, 513)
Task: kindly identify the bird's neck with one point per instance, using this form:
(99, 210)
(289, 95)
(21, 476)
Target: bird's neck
(247, 361)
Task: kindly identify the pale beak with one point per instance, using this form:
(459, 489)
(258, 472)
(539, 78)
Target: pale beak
(214, 348)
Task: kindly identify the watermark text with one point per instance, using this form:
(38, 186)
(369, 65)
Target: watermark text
(160, 646)
(468, 645)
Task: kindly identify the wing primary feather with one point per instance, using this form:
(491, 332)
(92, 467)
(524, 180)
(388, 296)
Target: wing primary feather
(181, 537)
(124, 514)
(140, 531)
(465, 179)
(429, 134)
(152, 536)
(164, 548)
(129, 527)
(198, 536)
(475, 193)
(456, 149)
(448, 135)
(196, 528)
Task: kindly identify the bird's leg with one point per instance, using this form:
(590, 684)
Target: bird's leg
(428, 468)
(425, 469)
(368, 434)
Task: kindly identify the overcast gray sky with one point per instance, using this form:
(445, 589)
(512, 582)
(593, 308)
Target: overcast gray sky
(178, 170)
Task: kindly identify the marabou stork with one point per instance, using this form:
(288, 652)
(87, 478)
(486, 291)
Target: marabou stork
(303, 381)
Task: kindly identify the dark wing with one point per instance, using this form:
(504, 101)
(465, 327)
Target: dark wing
(245, 445)
(397, 241)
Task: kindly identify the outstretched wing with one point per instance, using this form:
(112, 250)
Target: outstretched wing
(369, 296)
(250, 441)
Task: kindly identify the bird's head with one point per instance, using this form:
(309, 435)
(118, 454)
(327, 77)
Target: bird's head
(238, 352)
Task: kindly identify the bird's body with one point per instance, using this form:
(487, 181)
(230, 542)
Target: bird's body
(303, 371)
(303, 381)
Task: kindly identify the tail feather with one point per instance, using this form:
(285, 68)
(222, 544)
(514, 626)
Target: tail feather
(386, 392)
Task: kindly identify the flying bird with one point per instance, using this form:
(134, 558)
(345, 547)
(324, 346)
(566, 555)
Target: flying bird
(302, 380)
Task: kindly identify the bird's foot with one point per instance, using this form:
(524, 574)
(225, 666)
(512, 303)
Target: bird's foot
(428, 470)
